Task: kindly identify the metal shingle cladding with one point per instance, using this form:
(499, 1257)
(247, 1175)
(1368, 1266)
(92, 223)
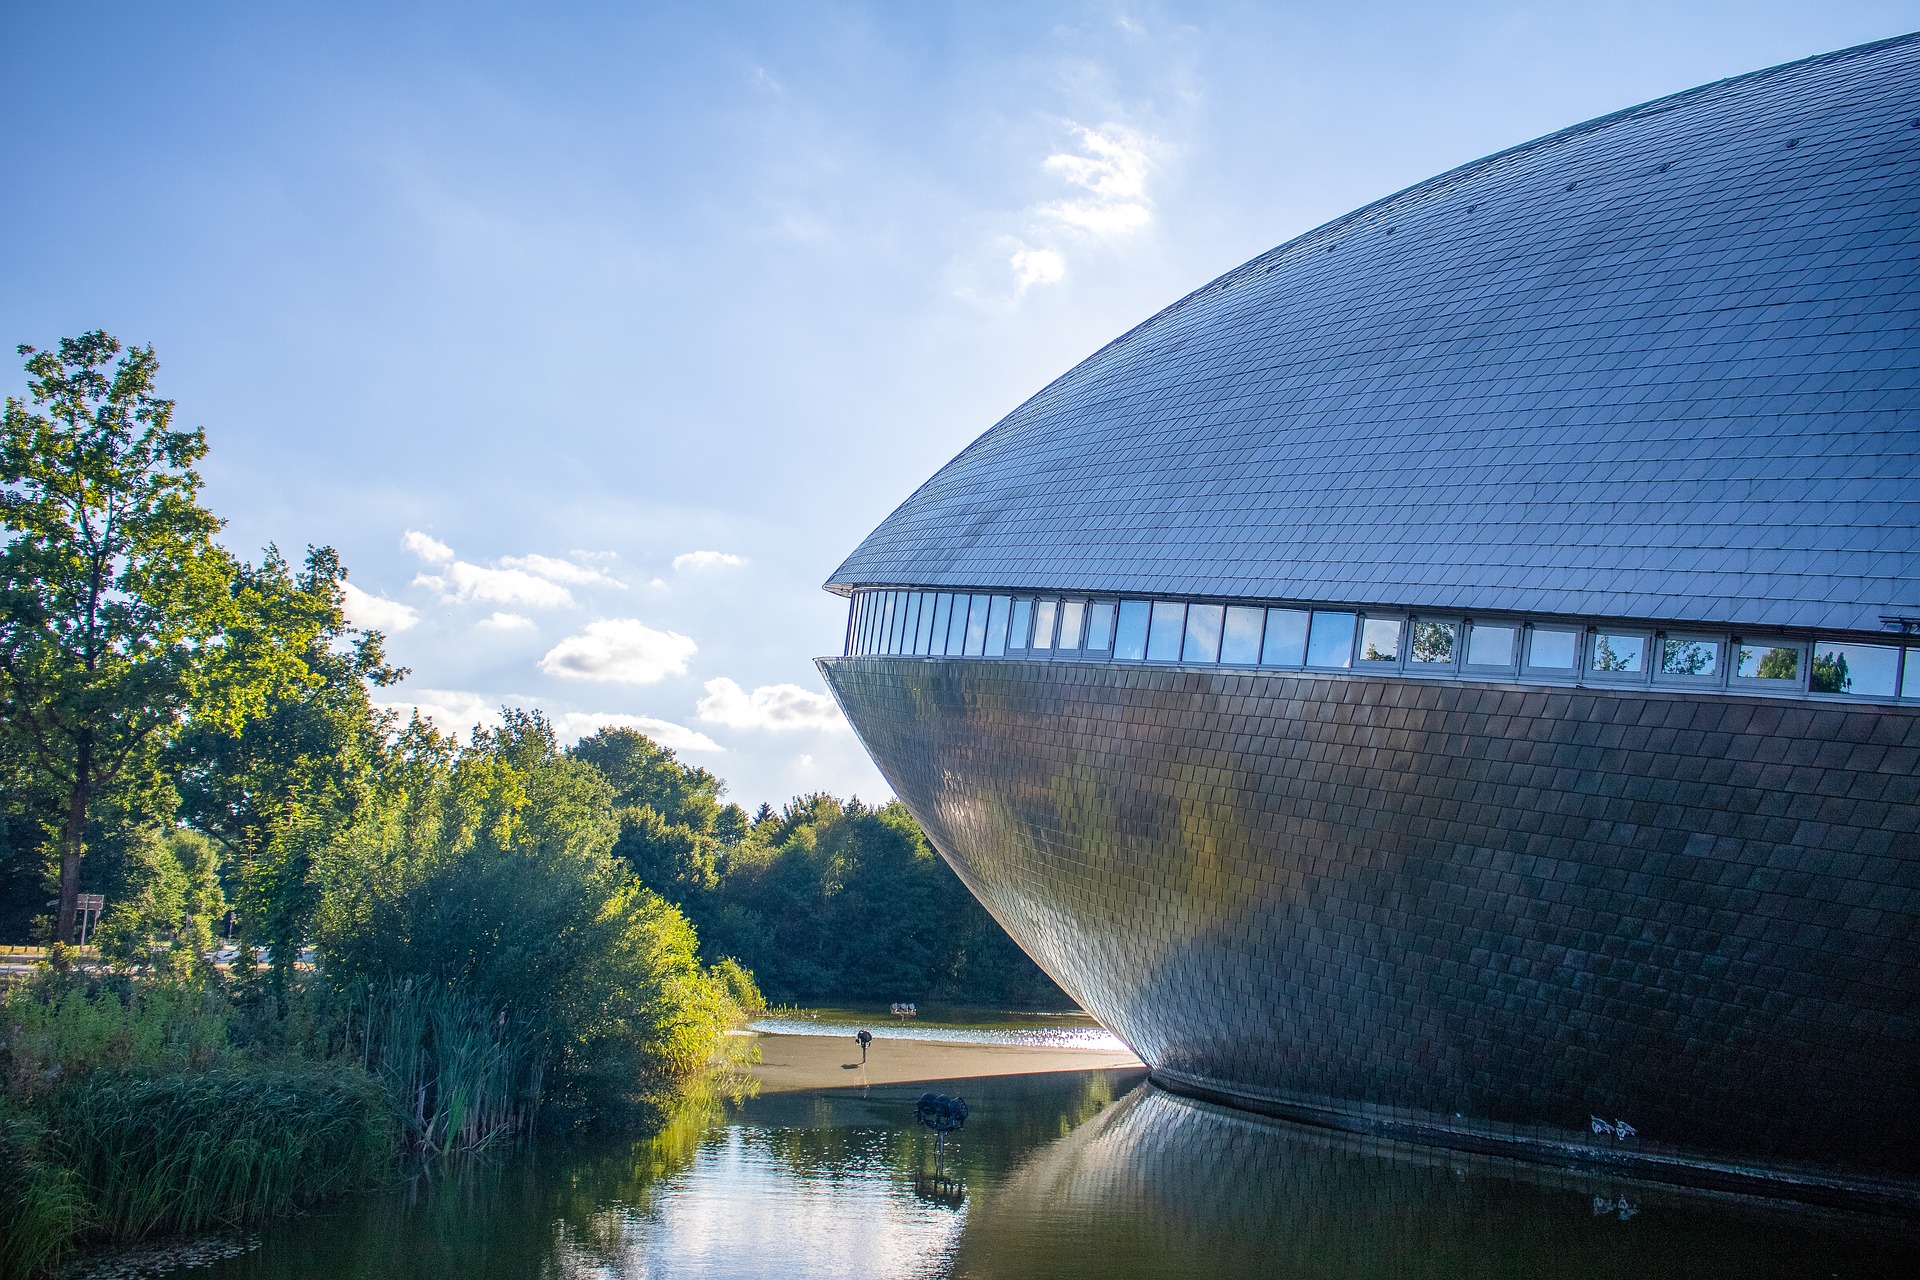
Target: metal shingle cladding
(1661, 365)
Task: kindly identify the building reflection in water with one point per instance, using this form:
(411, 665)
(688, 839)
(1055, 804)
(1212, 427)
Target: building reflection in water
(1161, 1186)
(1068, 1174)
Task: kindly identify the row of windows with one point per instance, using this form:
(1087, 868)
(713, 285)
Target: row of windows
(985, 624)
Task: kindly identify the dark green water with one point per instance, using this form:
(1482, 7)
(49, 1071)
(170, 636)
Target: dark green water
(1071, 1175)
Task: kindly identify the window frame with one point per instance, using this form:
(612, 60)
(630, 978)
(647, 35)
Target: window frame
(1398, 661)
(1674, 679)
(1569, 674)
(1451, 666)
(1353, 637)
(1813, 650)
(1590, 648)
(1763, 684)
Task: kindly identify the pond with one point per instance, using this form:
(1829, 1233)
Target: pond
(1073, 1174)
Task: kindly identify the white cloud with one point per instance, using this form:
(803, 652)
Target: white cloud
(566, 571)
(1112, 168)
(457, 711)
(426, 546)
(571, 726)
(698, 560)
(463, 583)
(505, 622)
(452, 711)
(1036, 266)
(622, 649)
(771, 706)
(376, 613)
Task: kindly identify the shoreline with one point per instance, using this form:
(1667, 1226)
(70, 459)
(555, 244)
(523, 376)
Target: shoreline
(803, 1063)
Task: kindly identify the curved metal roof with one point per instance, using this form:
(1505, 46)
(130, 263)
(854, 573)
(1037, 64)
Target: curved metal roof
(1658, 365)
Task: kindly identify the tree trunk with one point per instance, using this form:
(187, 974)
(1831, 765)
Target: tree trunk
(74, 843)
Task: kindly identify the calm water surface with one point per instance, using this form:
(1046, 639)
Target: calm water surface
(1090, 1174)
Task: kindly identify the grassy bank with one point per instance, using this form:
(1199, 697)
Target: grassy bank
(134, 1107)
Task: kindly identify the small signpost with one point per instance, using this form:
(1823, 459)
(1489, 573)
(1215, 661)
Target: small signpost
(89, 906)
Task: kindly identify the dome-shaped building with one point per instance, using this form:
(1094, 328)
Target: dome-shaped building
(1447, 676)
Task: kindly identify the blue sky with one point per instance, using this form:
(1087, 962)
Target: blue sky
(595, 335)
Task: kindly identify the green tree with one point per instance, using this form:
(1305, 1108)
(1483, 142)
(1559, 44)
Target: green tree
(114, 598)
(171, 893)
(273, 791)
(833, 900)
(673, 829)
(488, 870)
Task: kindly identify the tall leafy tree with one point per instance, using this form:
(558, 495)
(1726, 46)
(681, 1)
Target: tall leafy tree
(297, 773)
(114, 597)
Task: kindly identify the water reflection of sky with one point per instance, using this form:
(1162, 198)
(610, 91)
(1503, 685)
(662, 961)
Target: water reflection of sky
(742, 1211)
(1065, 1174)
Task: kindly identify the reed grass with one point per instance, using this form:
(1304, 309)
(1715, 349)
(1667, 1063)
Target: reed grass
(192, 1151)
(463, 1075)
(42, 1208)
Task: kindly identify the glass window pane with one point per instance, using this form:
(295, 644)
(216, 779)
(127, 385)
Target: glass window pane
(1130, 635)
(942, 620)
(1553, 650)
(1164, 634)
(1769, 662)
(1099, 626)
(1689, 656)
(976, 626)
(1022, 628)
(868, 623)
(1910, 680)
(1432, 643)
(1490, 645)
(957, 626)
(996, 622)
(859, 622)
(1072, 614)
(910, 635)
(1285, 644)
(1045, 614)
(1241, 640)
(1618, 655)
(1380, 640)
(891, 623)
(1866, 670)
(1203, 633)
(1330, 641)
(923, 632)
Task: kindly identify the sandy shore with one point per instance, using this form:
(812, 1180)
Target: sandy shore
(790, 1064)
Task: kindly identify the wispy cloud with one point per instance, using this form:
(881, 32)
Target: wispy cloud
(534, 581)
(453, 711)
(499, 621)
(695, 561)
(463, 583)
(459, 711)
(426, 546)
(1111, 168)
(571, 726)
(578, 575)
(376, 613)
(771, 706)
(1036, 266)
(625, 650)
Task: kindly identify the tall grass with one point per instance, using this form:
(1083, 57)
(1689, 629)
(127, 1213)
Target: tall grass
(463, 1075)
(186, 1152)
(42, 1207)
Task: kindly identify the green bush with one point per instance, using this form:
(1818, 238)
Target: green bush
(486, 873)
